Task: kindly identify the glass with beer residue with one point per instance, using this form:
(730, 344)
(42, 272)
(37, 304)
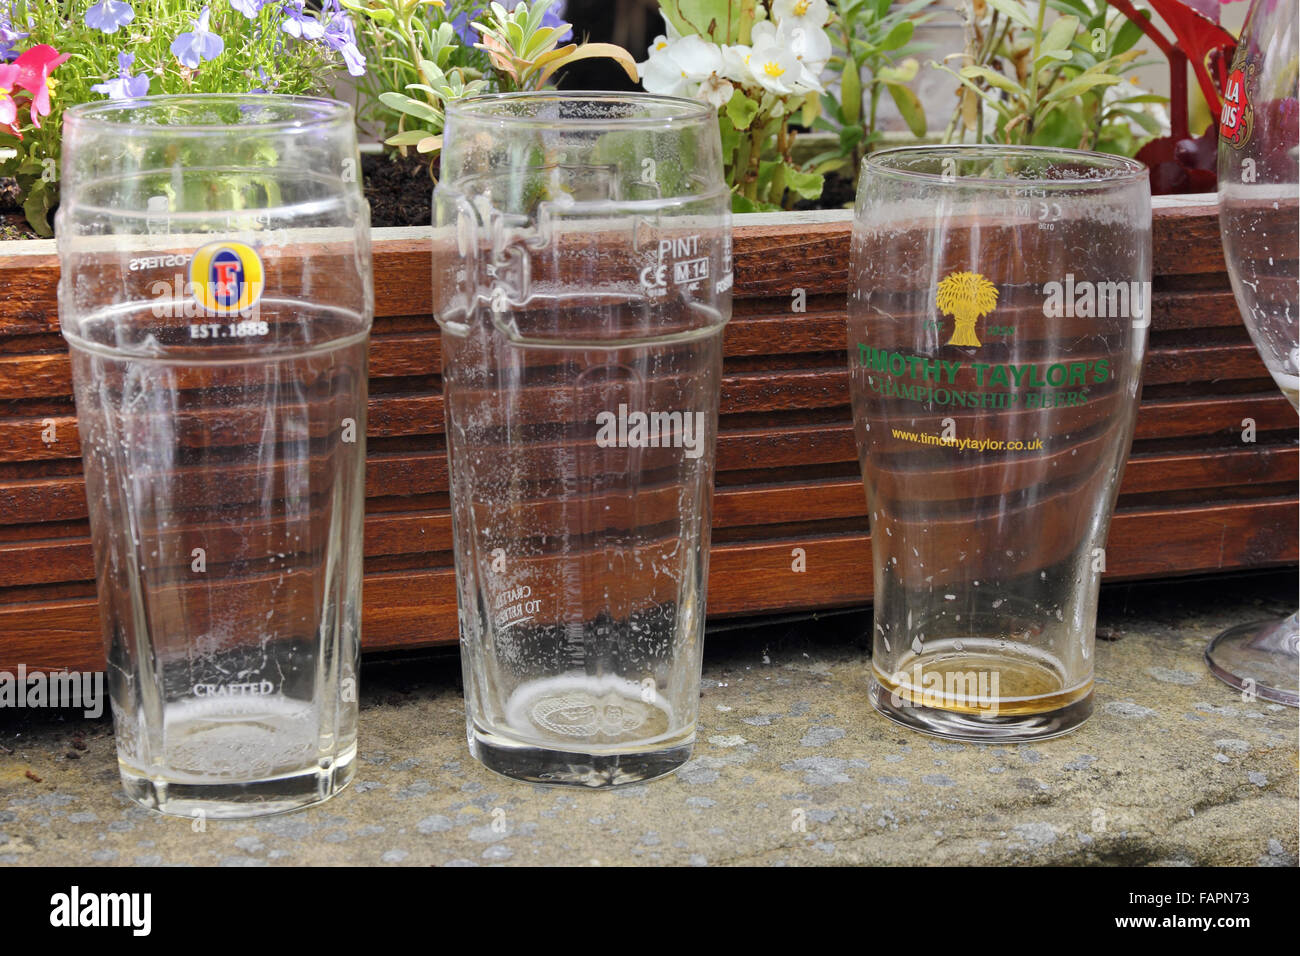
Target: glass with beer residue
(999, 304)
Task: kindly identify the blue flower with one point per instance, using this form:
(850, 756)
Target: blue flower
(249, 8)
(300, 25)
(340, 36)
(108, 15)
(126, 85)
(193, 48)
(8, 35)
(553, 17)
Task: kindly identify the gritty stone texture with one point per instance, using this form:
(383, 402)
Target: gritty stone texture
(792, 767)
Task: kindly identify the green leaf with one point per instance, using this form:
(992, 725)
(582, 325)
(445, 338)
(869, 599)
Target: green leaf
(412, 107)
(1060, 36)
(898, 36)
(812, 106)
(994, 78)
(905, 72)
(1078, 85)
(741, 110)
(741, 203)
(808, 185)
(36, 208)
(850, 94)
(1128, 35)
(1014, 10)
(407, 137)
(1148, 123)
(909, 106)
(1143, 98)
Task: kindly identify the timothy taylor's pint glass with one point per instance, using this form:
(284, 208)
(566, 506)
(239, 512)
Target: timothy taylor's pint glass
(999, 304)
(582, 278)
(216, 299)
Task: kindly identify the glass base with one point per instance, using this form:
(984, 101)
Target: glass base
(970, 725)
(525, 761)
(1263, 653)
(232, 800)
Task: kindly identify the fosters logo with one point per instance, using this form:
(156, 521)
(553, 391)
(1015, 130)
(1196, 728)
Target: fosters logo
(226, 277)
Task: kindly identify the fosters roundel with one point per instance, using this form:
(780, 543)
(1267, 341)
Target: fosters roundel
(226, 276)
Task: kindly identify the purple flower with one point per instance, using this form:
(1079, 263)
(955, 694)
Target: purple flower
(249, 8)
(193, 48)
(8, 35)
(554, 17)
(340, 36)
(108, 15)
(300, 25)
(126, 85)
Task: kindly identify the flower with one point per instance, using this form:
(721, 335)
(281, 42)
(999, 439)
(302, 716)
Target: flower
(773, 62)
(812, 48)
(249, 8)
(809, 14)
(462, 23)
(342, 37)
(299, 24)
(673, 65)
(34, 69)
(126, 85)
(193, 48)
(108, 15)
(8, 108)
(8, 35)
(716, 90)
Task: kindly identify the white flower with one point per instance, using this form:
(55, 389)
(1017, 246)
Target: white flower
(812, 48)
(801, 13)
(735, 64)
(674, 65)
(773, 63)
(715, 90)
(661, 74)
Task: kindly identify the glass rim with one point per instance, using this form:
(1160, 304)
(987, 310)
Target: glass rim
(688, 111)
(1124, 171)
(317, 112)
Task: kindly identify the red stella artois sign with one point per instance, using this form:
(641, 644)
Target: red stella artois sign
(1237, 118)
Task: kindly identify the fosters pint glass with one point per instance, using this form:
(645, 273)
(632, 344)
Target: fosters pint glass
(216, 299)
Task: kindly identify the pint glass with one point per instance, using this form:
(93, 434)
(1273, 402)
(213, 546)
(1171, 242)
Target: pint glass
(582, 279)
(216, 299)
(999, 304)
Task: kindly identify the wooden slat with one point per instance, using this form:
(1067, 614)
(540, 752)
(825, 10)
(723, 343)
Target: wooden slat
(27, 561)
(413, 608)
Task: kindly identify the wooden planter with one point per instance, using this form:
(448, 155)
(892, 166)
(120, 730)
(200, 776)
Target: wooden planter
(1195, 497)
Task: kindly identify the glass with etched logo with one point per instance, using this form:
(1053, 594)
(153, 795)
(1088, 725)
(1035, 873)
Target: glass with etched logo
(582, 278)
(216, 298)
(998, 313)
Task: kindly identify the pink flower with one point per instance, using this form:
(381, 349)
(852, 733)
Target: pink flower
(34, 68)
(8, 108)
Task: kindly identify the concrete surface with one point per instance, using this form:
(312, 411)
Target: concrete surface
(792, 767)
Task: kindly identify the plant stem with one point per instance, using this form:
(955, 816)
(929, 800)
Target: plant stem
(1028, 130)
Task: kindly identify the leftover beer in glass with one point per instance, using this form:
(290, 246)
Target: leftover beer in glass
(999, 304)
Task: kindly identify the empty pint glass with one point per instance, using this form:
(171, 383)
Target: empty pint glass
(999, 304)
(582, 279)
(216, 298)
